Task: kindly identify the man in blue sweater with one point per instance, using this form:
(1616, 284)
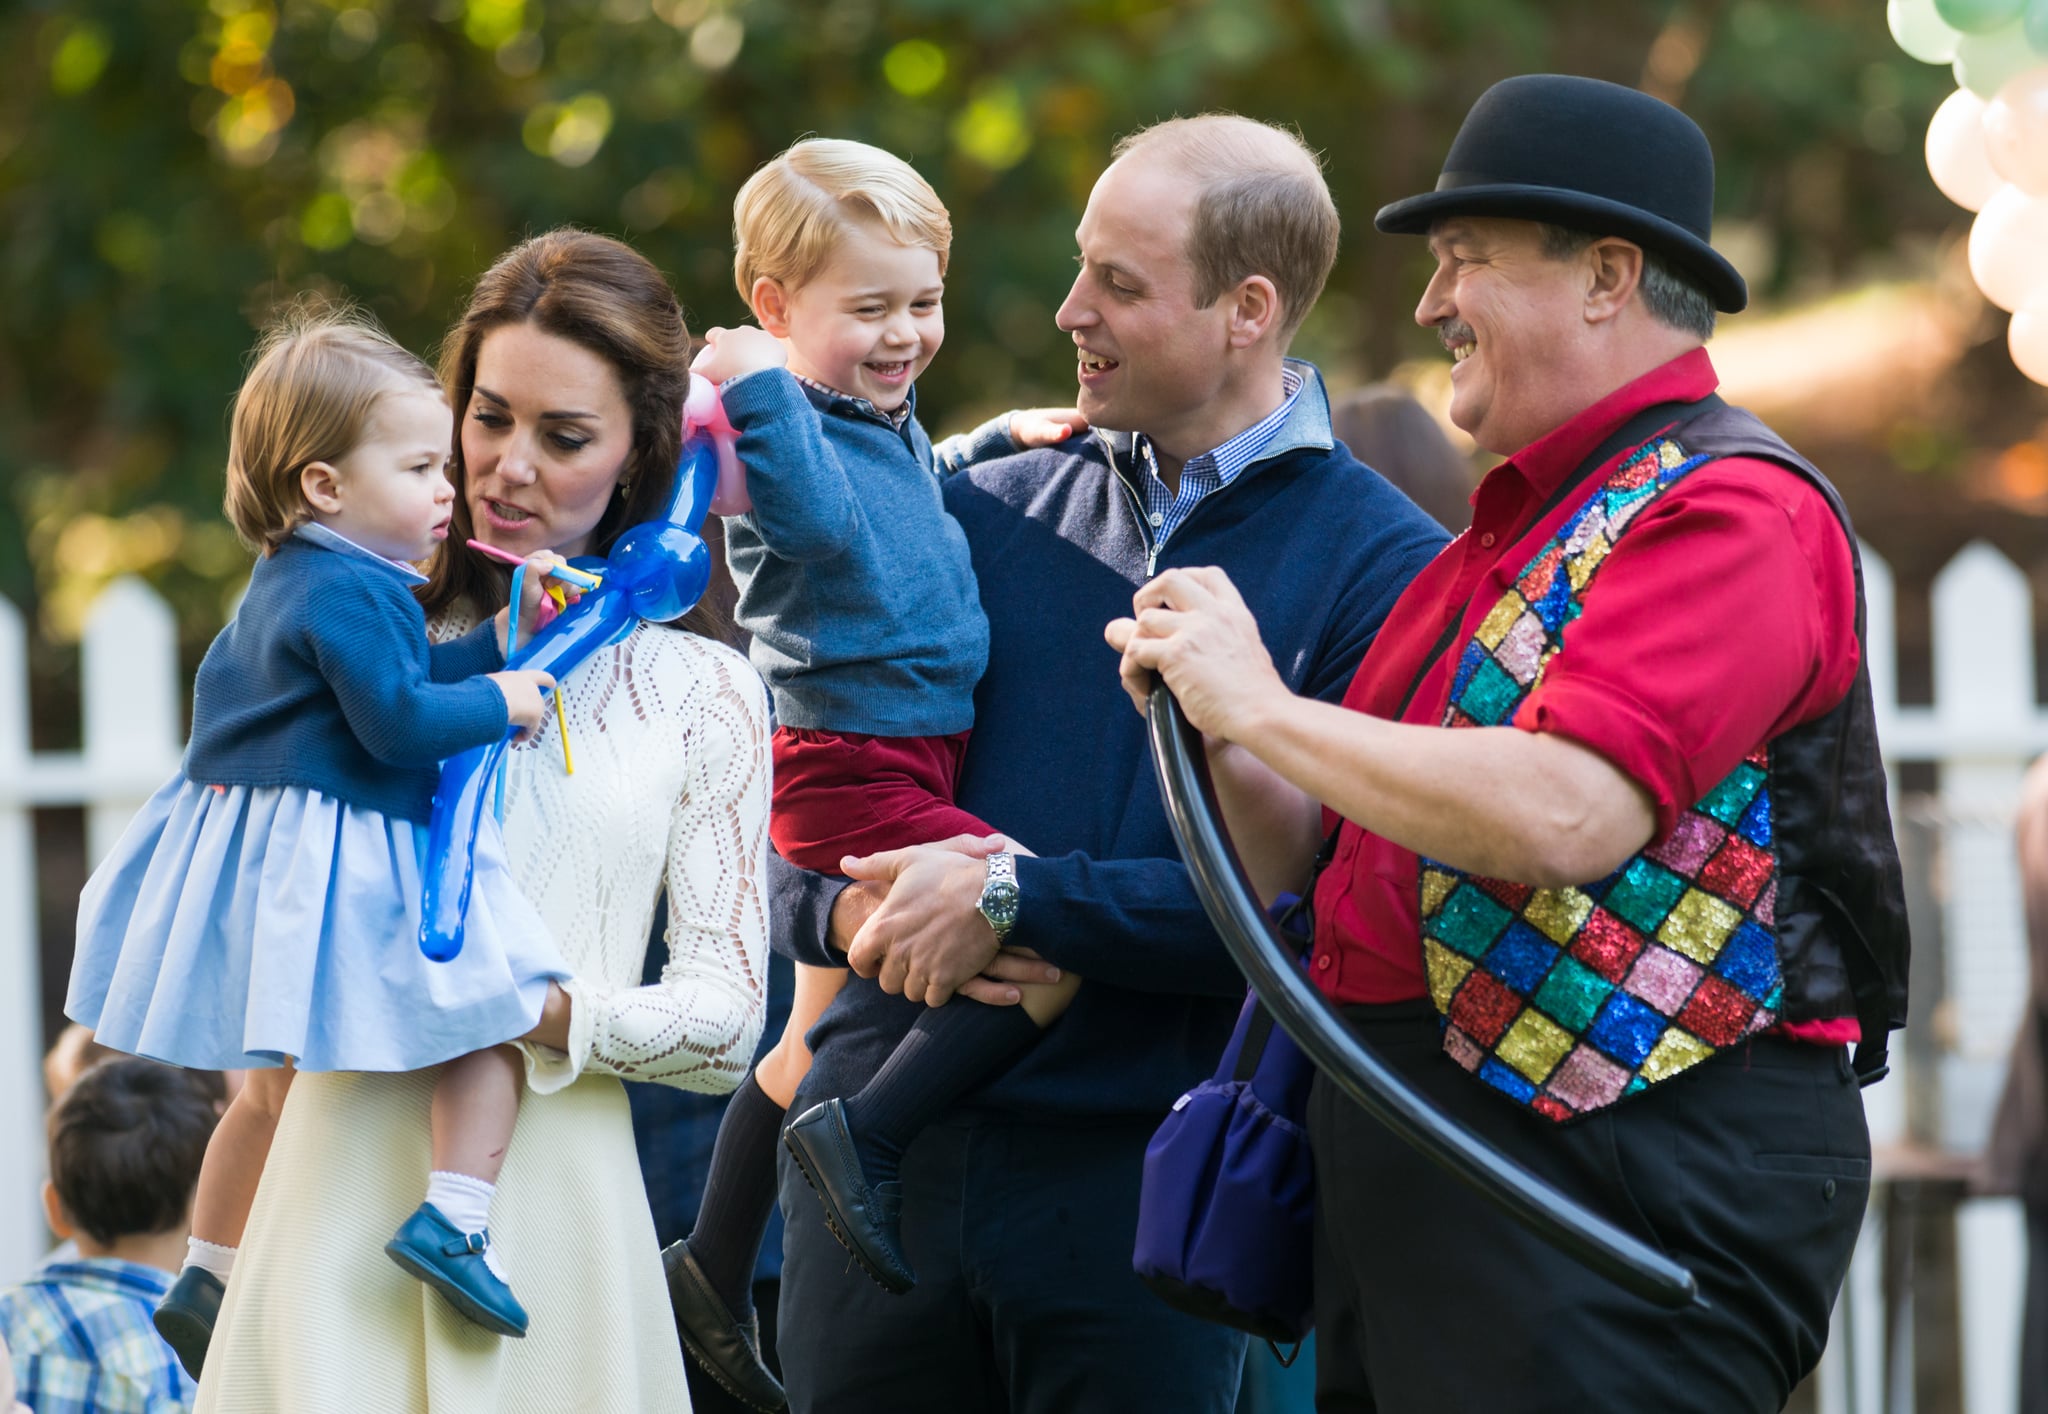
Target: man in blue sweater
(1202, 247)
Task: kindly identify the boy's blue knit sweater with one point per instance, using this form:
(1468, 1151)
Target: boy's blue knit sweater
(853, 580)
(325, 680)
(1320, 546)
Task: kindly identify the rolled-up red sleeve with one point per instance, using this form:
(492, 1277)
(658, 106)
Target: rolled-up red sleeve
(1723, 617)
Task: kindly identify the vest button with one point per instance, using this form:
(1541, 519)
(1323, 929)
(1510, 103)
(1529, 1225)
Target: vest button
(1323, 963)
(1827, 1190)
(1487, 540)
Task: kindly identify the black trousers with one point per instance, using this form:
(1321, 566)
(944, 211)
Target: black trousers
(1025, 1298)
(1752, 1169)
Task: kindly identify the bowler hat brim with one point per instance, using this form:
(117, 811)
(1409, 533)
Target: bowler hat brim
(1580, 212)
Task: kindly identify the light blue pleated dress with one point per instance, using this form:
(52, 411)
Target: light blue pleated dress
(238, 926)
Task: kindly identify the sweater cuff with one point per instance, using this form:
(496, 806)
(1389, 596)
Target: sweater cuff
(985, 443)
(763, 393)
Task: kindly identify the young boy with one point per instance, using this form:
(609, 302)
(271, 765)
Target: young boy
(856, 585)
(126, 1142)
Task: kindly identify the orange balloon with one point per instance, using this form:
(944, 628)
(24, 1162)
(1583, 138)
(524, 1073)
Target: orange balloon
(2009, 248)
(2016, 131)
(2027, 337)
(1956, 155)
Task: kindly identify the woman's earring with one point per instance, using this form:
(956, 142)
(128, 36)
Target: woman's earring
(625, 487)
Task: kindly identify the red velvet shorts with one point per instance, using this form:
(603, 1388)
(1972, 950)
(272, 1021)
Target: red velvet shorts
(841, 793)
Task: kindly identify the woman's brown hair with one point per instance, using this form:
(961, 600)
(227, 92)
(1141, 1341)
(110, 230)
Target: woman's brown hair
(606, 297)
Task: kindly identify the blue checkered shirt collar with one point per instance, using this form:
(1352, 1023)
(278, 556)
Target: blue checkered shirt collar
(895, 419)
(1203, 475)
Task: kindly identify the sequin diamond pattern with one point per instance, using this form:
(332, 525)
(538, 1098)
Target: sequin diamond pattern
(1567, 1000)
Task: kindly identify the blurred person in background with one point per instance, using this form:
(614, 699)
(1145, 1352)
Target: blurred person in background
(2016, 1162)
(126, 1142)
(1387, 429)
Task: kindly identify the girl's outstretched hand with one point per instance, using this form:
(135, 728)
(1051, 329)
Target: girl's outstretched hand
(524, 703)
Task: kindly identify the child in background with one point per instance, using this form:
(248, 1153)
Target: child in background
(126, 1142)
(262, 910)
(867, 624)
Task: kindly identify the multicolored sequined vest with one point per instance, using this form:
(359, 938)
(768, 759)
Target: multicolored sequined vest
(1568, 999)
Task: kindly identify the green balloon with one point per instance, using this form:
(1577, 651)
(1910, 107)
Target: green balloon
(1985, 61)
(1978, 16)
(1921, 32)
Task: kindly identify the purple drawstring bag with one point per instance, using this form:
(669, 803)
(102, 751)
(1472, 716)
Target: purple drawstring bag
(1226, 1212)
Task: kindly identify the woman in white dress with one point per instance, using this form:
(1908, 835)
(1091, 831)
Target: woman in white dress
(567, 373)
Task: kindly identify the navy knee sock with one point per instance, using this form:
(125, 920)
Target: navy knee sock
(950, 1051)
(739, 1195)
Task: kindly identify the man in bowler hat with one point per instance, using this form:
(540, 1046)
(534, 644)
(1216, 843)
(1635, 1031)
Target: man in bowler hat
(1614, 882)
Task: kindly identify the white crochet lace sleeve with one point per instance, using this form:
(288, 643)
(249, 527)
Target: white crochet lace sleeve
(669, 736)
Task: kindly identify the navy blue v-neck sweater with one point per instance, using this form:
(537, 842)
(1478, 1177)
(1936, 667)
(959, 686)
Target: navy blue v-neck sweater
(1320, 546)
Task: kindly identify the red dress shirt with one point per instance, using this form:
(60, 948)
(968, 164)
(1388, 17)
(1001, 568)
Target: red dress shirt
(1723, 617)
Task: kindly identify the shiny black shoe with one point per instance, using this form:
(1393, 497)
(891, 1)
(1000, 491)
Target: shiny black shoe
(864, 1219)
(186, 1315)
(727, 1349)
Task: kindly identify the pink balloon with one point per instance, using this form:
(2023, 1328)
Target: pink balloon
(2016, 131)
(1956, 154)
(2027, 337)
(2009, 248)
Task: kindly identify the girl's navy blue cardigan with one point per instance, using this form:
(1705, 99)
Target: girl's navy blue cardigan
(1320, 546)
(325, 680)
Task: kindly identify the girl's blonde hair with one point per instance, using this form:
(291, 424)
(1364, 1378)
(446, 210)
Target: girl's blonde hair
(790, 214)
(317, 373)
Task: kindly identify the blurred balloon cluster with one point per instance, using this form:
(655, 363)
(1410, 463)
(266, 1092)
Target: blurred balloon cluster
(1987, 147)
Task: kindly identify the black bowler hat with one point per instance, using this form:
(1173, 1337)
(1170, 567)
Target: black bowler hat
(1589, 155)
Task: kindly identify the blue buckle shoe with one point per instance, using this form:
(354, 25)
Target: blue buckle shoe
(186, 1315)
(452, 1262)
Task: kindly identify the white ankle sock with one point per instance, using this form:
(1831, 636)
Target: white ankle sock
(210, 1255)
(465, 1202)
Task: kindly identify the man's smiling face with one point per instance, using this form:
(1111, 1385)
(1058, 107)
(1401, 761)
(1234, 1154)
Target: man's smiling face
(1508, 314)
(1149, 358)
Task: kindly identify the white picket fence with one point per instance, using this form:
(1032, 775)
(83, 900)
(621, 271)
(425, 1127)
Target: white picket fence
(1983, 729)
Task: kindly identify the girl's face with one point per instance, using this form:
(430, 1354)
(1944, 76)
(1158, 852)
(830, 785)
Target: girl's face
(545, 439)
(391, 492)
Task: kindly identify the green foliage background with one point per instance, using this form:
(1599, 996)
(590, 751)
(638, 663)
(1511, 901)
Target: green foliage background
(171, 170)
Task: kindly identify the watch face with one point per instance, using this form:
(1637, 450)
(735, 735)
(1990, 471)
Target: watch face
(999, 904)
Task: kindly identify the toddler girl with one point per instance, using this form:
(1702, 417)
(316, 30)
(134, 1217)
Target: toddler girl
(263, 909)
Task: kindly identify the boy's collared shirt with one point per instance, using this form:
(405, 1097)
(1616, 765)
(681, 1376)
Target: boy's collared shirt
(80, 1336)
(895, 419)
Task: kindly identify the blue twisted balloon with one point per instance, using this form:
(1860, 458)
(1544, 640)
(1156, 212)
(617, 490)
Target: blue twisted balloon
(657, 570)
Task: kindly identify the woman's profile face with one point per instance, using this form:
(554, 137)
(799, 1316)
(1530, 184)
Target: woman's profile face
(545, 438)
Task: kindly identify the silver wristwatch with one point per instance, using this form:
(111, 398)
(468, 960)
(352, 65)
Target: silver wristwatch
(999, 897)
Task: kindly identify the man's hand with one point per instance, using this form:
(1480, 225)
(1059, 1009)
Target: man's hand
(925, 939)
(997, 985)
(1042, 427)
(1193, 629)
(730, 352)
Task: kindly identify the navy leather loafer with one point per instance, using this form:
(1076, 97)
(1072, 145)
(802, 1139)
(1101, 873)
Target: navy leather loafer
(452, 1262)
(864, 1219)
(724, 1347)
(185, 1317)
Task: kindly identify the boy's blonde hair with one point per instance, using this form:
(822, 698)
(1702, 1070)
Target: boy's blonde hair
(318, 371)
(790, 214)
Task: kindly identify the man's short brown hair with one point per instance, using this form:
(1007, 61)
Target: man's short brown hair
(1263, 207)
